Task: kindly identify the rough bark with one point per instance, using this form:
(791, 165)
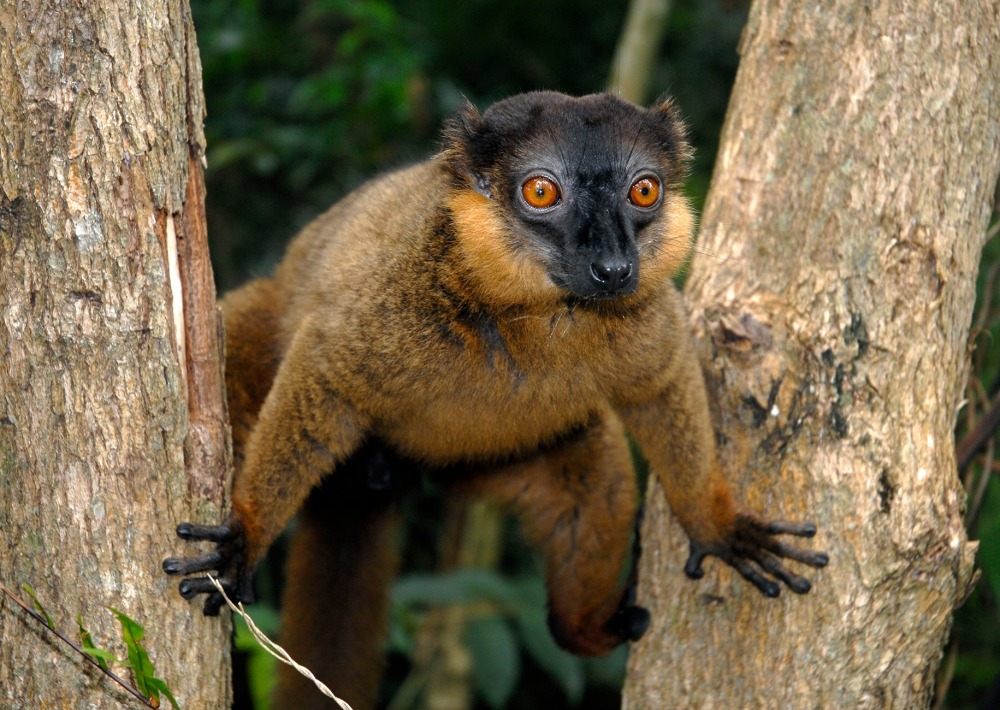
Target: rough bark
(109, 350)
(832, 292)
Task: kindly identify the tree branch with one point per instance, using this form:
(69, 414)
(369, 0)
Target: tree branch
(637, 46)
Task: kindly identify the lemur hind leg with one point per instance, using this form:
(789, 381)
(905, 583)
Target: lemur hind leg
(577, 503)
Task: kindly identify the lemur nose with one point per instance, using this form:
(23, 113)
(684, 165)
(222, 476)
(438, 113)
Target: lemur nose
(611, 275)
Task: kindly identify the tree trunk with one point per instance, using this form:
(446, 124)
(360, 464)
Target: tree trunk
(832, 293)
(109, 357)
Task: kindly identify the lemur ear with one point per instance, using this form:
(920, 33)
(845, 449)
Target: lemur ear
(464, 136)
(667, 108)
(464, 124)
(673, 138)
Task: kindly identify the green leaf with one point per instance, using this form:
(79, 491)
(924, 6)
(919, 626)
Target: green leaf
(496, 659)
(138, 659)
(101, 656)
(87, 642)
(159, 685)
(38, 605)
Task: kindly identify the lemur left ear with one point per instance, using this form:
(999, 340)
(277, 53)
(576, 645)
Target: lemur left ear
(667, 107)
(673, 136)
(463, 135)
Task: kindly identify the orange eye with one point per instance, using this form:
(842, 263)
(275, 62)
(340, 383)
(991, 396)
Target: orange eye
(540, 192)
(644, 192)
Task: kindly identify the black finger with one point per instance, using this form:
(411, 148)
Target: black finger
(244, 593)
(187, 565)
(786, 528)
(814, 559)
(806, 557)
(799, 585)
(750, 573)
(189, 588)
(213, 533)
(692, 568)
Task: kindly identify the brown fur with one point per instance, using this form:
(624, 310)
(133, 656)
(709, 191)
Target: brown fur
(419, 383)
(576, 503)
(500, 270)
(412, 313)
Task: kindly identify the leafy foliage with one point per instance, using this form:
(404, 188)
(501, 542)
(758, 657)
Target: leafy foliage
(138, 661)
(147, 686)
(29, 590)
(87, 643)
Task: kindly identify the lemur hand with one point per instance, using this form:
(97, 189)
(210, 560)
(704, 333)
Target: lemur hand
(751, 549)
(228, 560)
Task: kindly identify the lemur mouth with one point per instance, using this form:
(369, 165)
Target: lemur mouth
(606, 296)
(599, 299)
(608, 302)
(593, 292)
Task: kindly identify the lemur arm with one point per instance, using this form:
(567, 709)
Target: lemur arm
(674, 431)
(305, 429)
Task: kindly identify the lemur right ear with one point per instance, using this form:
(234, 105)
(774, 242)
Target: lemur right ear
(465, 138)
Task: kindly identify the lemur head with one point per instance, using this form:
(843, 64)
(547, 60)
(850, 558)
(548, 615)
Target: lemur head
(570, 198)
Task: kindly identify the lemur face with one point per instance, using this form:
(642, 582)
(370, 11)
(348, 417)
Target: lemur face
(581, 183)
